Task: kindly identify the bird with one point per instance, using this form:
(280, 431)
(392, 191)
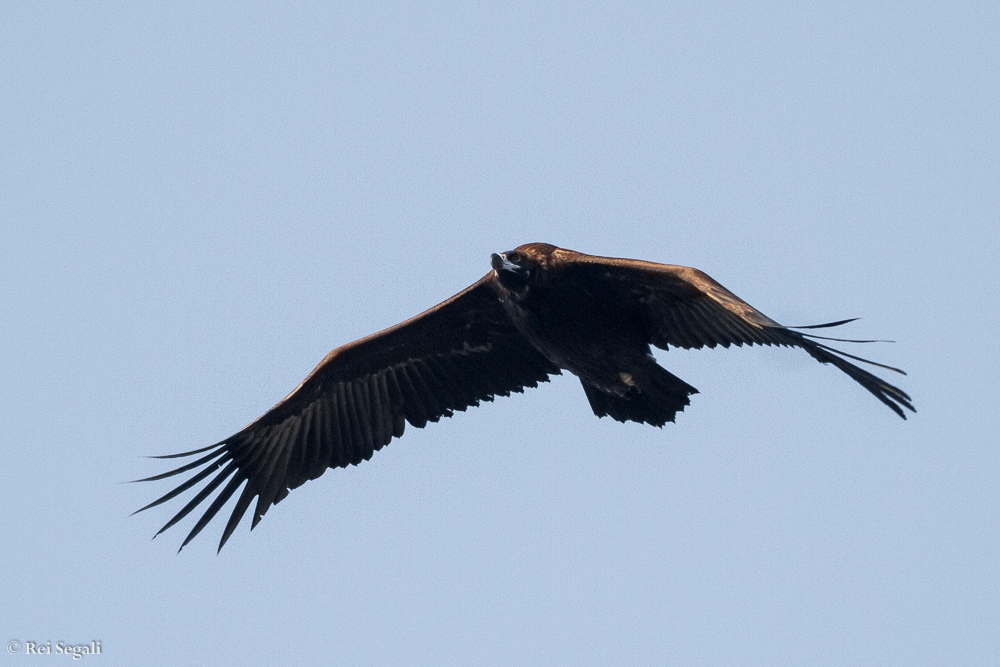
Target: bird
(539, 311)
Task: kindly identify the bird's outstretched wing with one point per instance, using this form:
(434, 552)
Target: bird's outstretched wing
(684, 307)
(448, 358)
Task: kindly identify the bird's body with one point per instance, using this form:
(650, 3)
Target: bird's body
(540, 310)
(579, 330)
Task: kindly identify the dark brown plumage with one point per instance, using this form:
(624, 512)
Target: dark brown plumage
(540, 310)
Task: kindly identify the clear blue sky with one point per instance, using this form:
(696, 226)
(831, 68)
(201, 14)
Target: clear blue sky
(197, 203)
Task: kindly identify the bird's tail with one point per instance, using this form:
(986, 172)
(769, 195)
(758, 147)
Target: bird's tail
(655, 399)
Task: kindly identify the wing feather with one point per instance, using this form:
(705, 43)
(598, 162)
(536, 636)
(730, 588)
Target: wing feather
(366, 416)
(418, 414)
(380, 420)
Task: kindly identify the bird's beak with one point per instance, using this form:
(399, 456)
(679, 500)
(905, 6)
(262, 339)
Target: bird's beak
(501, 263)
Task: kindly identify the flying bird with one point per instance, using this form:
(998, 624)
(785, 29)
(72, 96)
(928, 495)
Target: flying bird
(539, 311)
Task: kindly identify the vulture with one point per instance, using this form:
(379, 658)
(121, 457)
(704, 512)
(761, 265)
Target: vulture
(539, 311)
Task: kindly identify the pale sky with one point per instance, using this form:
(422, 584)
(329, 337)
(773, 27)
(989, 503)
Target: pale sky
(199, 203)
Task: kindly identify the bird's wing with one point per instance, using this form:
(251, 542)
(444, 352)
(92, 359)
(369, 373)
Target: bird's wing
(684, 307)
(359, 397)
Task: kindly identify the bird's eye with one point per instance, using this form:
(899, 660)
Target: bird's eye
(514, 257)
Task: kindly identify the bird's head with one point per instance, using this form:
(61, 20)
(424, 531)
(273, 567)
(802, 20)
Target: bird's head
(520, 269)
